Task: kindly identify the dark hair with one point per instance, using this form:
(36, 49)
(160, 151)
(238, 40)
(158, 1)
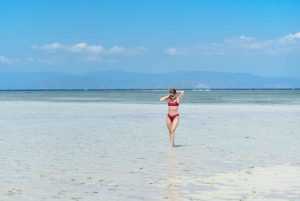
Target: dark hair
(173, 91)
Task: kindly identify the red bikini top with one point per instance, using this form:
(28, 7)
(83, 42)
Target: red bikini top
(173, 103)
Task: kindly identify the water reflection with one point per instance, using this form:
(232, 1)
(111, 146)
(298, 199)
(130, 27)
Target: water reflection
(172, 171)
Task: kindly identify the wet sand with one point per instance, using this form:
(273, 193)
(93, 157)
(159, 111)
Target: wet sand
(113, 151)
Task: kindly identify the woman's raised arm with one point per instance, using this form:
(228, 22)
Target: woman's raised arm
(166, 98)
(181, 94)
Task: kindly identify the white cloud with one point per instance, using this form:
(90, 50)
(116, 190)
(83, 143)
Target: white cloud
(245, 38)
(245, 43)
(290, 37)
(84, 53)
(80, 47)
(135, 51)
(116, 50)
(241, 45)
(77, 48)
(171, 51)
(129, 51)
(53, 46)
(3, 59)
(93, 49)
(202, 49)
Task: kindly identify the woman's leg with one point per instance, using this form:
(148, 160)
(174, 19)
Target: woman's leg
(169, 125)
(173, 128)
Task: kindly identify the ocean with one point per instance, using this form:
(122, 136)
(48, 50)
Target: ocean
(151, 96)
(114, 145)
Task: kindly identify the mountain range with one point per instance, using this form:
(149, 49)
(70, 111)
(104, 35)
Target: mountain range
(115, 79)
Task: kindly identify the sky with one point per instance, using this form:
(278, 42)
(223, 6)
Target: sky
(250, 36)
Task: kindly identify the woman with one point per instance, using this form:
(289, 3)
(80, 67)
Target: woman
(173, 116)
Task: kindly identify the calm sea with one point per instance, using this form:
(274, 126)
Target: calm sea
(268, 97)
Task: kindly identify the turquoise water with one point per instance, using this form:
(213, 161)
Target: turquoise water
(265, 97)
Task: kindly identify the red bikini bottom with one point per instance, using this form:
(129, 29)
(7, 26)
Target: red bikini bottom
(172, 117)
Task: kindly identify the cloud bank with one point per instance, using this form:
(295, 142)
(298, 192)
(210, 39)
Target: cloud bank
(93, 49)
(83, 52)
(241, 45)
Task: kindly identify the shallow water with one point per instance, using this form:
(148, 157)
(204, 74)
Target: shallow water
(261, 97)
(61, 145)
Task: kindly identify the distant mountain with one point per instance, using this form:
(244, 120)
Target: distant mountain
(115, 79)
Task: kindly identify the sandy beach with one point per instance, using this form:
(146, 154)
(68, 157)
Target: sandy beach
(115, 151)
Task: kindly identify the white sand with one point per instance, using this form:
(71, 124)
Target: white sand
(98, 151)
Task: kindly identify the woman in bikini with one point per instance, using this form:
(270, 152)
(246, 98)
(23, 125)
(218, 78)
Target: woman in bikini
(173, 116)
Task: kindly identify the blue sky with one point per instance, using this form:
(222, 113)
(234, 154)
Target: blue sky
(258, 37)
